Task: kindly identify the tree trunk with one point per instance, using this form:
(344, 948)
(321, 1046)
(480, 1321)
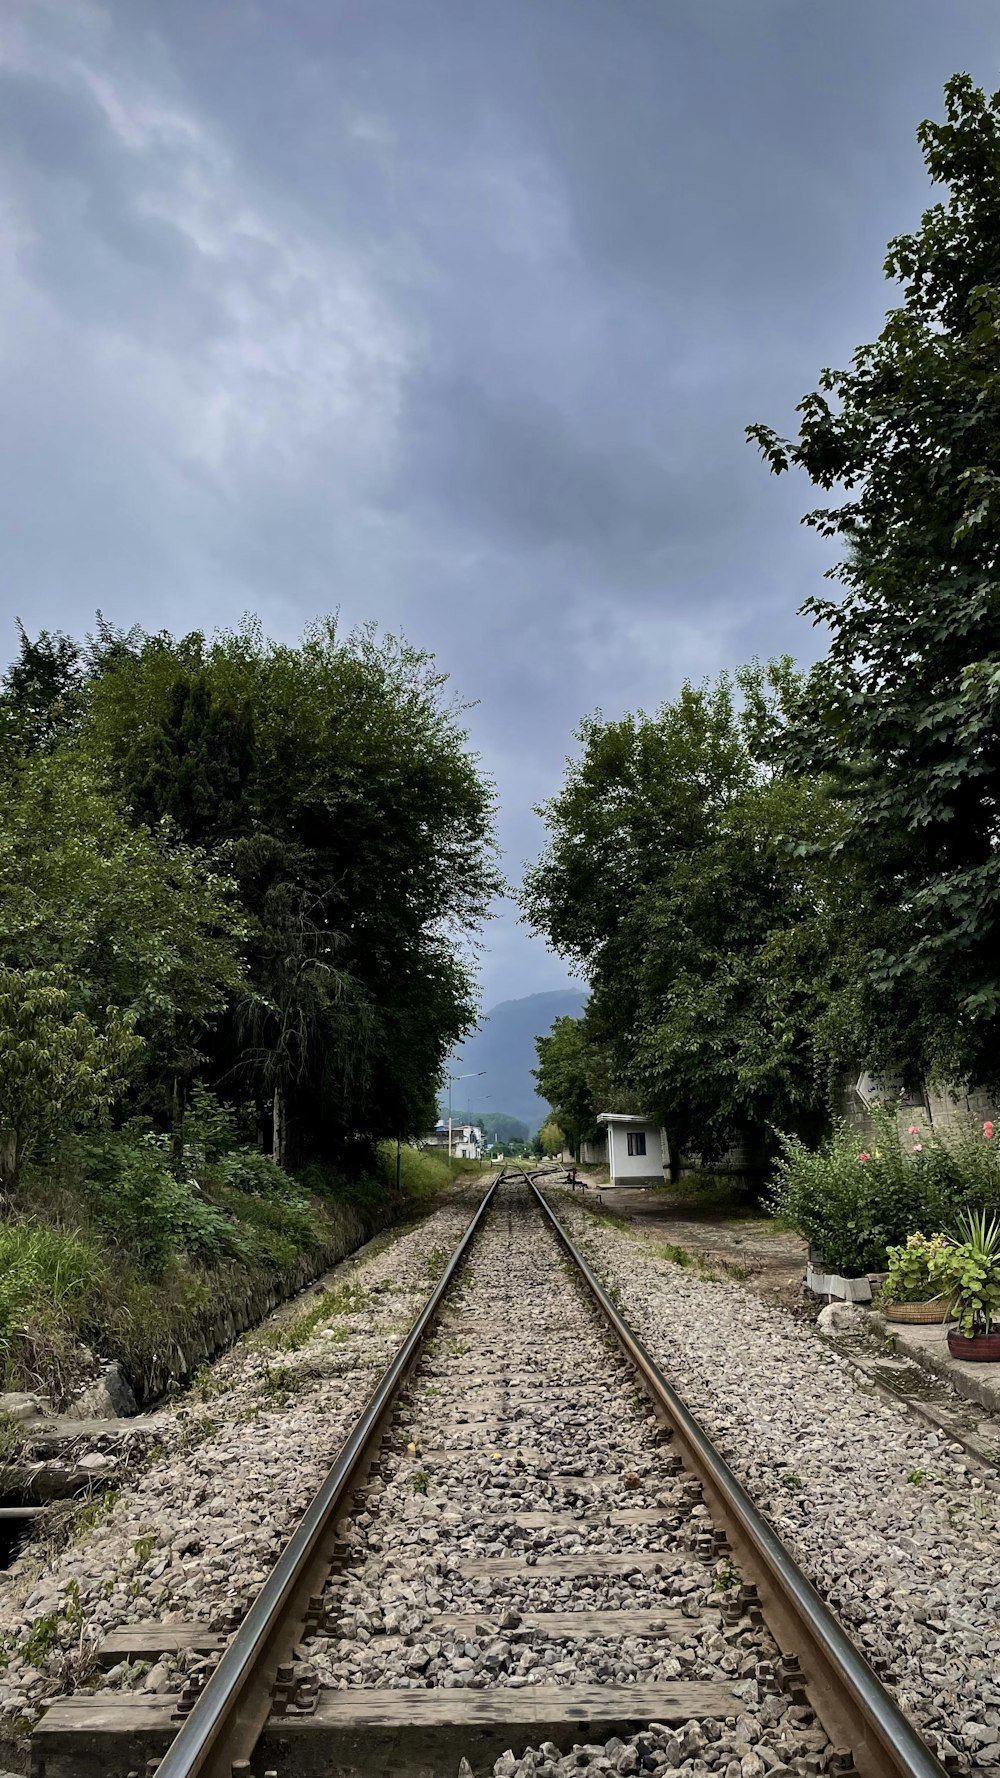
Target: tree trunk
(179, 1107)
(278, 1130)
(9, 1159)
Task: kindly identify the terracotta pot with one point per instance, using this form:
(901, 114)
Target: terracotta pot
(937, 1308)
(982, 1348)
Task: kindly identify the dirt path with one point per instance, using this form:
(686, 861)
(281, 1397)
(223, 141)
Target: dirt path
(746, 1245)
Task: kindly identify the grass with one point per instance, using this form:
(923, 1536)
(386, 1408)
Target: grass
(10, 1435)
(792, 1482)
(420, 1481)
(435, 1262)
(105, 1246)
(917, 1477)
(340, 1299)
(279, 1382)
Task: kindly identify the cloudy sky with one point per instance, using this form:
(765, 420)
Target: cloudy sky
(447, 313)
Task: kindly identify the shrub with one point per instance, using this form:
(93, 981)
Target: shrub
(911, 1278)
(247, 1170)
(852, 1203)
(133, 1195)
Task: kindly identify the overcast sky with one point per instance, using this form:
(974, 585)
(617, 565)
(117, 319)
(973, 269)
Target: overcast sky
(450, 314)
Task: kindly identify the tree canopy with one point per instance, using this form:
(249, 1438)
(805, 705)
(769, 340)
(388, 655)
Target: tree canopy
(262, 856)
(682, 877)
(901, 717)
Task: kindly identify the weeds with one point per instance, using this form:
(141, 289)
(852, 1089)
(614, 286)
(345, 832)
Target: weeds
(678, 1256)
(10, 1435)
(917, 1477)
(279, 1382)
(420, 1481)
(726, 1579)
(342, 1299)
(435, 1262)
(41, 1639)
(143, 1547)
(792, 1481)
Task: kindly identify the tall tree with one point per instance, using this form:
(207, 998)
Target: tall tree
(334, 781)
(903, 716)
(681, 878)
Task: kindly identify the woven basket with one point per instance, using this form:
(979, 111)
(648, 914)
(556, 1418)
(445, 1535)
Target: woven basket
(938, 1309)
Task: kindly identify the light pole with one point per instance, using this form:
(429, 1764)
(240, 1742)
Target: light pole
(479, 1072)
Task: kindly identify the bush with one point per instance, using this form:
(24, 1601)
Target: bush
(852, 1203)
(247, 1170)
(911, 1278)
(132, 1193)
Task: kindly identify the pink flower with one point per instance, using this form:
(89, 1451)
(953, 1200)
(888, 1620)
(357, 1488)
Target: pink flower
(864, 1156)
(918, 1148)
(988, 1130)
(914, 1130)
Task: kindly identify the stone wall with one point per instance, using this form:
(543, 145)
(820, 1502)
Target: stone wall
(244, 1301)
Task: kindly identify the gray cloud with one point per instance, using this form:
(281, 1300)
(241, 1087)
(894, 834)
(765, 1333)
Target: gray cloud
(451, 315)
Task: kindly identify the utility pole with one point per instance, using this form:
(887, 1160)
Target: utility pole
(477, 1075)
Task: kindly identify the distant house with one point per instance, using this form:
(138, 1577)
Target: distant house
(467, 1140)
(636, 1150)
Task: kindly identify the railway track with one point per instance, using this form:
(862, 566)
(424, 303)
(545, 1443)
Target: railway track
(527, 1541)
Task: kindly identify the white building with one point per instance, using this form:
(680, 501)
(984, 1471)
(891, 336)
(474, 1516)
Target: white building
(637, 1149)
(467, 1140)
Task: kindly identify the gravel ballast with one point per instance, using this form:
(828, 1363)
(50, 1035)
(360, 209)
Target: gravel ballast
(194, 1534)
(523, 1438)
(887, 1517)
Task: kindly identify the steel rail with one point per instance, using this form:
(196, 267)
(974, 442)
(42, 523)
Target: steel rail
(228, 1716)
(848, 1697)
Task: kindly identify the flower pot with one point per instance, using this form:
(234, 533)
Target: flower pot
(938, 1308)
(982, 1348)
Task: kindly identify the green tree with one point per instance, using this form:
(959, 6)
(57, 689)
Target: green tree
(57, 1069)
(903, 716)
(564, 1075)
(138, 921)
(551, 1140)
(333, 780)
(682, 876)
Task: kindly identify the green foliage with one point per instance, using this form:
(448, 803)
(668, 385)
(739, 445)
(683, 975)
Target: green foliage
(137, 921)
(134, 1195)
(968, 1270)
(853, 1204)
(564, 1077)
(56, 1068)
(911, 1278)
(551, 1140)
(678, 877)
(313, 772)
(902, 716)
(51, 1279)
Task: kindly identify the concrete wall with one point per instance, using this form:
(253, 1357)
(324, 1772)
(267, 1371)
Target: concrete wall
(938, 1108)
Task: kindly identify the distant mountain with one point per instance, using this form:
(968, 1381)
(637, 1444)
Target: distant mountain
(504, 1047)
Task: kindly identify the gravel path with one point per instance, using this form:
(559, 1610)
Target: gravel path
(886, 1516)
(194, 1535)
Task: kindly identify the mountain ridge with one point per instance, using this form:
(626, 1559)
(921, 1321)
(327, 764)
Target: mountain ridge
(504, 1049)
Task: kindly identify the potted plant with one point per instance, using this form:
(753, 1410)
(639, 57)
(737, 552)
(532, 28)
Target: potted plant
(911, 1291)
(969, 1270)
